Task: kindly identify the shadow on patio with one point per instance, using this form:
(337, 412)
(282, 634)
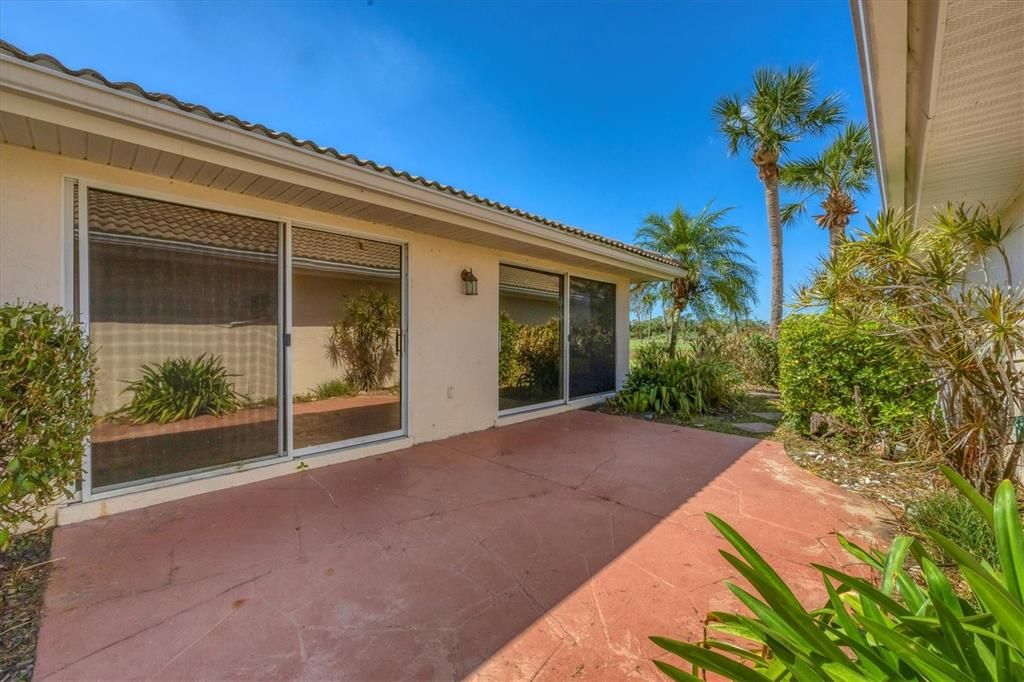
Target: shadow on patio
(552, 547)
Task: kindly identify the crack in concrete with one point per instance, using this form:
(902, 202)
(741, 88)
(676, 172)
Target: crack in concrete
(161, 622)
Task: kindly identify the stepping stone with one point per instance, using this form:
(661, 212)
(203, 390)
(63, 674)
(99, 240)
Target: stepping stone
(768, 416)
(755, 427)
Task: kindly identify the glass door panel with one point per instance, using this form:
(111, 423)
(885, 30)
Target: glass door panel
(530, 311)
(591, 337)
(346, 339)
(184, 319)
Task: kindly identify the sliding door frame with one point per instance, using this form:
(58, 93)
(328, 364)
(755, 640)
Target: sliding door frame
(566, 279)
(403, 430)
(285, 416)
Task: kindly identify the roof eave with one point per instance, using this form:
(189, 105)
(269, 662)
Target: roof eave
(77, 94)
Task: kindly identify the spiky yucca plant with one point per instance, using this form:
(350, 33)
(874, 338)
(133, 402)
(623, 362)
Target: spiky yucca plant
(182, 388)
(945, 290)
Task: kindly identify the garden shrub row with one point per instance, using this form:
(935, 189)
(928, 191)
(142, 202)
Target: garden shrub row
(859, 379)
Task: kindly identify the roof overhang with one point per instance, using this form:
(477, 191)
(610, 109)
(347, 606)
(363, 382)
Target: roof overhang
(944, 85)
(48, 110)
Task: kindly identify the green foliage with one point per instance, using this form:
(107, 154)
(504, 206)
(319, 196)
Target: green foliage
(362, 339)
(719, 276)
(331, 388)
(842, 170)
(508, 364)
(954, 517)
(861, 379)
(944, 289)
(889, 628)
(182, 388)
(539, 355)
(760, 361)
(780, 110)
(46, 394)
(685, 385)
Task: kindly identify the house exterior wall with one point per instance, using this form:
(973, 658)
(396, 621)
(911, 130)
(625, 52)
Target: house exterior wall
(452, 338)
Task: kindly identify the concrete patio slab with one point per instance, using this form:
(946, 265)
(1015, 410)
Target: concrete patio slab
(550, 549)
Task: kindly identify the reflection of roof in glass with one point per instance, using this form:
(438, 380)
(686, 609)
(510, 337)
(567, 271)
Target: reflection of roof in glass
(521, 280)
(128, 216)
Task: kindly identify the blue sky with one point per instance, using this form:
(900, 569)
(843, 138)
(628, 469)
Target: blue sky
(594, 113)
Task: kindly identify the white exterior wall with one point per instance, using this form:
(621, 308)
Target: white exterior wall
(452, 338)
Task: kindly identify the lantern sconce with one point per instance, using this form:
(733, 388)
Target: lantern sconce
(469, 282)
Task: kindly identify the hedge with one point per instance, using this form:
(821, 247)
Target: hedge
(824, 361)
(46, 394)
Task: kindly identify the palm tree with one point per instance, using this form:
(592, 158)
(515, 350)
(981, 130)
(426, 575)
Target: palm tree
(841, 171)
(719, 275)
(780, 110)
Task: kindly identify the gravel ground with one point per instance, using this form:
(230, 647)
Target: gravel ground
(24, 568)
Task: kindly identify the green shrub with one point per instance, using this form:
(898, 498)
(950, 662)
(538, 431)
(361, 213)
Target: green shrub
(362, 339)
(46, 395)
(182, 388)
(862, 380)
(332, 388)
(539, 355)
(508, 365)
(954, 517)
(888, 628)
(760, 359)
(684, 385)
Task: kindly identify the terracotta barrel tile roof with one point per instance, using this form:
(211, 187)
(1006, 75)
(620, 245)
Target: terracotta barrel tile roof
(129, 88)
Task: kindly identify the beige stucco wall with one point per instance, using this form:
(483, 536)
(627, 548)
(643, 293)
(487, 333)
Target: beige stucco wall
(452, 338)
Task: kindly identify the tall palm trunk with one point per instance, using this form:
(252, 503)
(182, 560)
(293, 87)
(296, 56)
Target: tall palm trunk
(768, 169)
(673, 333)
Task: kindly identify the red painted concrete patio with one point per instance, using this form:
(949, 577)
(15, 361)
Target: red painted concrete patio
(546, 550)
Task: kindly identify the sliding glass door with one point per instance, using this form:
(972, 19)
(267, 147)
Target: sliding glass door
(553, 347)
(183, 309)
(346, 339)
(530, 357)
(223, 339)
(591, 337)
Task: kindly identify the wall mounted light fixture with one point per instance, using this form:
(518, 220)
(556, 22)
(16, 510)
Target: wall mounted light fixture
(469, 282)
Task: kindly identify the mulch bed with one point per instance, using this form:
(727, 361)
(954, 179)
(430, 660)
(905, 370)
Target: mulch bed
(24, 568)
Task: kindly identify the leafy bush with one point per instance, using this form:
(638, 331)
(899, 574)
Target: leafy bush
(362, 339)
(683, 385)
(508, 364)
(760, 360)
(944, 289)
(852, 373)
(954, 517)
(893, 629)
(539, 355)
(332, 388)
(46, 395)
(182, 388)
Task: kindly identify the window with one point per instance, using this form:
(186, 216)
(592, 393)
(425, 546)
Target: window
(591, 337)
(530, 357)
(346, 337)
(188, 310)
(183, 317)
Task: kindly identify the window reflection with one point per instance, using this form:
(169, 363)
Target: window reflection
(591, 337)
(530, 329)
